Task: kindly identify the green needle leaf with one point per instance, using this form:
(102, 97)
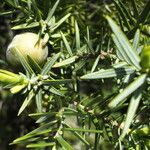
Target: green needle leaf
(128, 90)
(34, 64)
(49, 64)
(52, 10)
(95, 63)
(24, 63)
(26, 102)
(134, 103)
(144, 13)
(11, 80)
(56, 91)
(63, 143)
(109, 73)
(60, 22)
(39, 100)
(26, 26)
(46, 128)
(66, 44)
(65, 62)
(17, 88)
(136, 39)
(76, 134)
(83, 130)
(77, 32)
(57, 82)
(123, 15)
(127, 48)
(40, 144)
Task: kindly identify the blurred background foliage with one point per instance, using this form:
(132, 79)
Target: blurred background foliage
(94, 46)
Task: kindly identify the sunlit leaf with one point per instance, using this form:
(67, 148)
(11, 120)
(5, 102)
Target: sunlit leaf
(136, 40)
(138, 82)
(34, 64)
(24, 63)
(52, 10)
(65, 145)
(65, 62)
(17, 88)
(40, 144)
(95, 63)
(109, 73)
(134, 103)
(66, 44)
(26, 26)
(56, 91)
(39, 100)
(47, 67)
(57, 82)
(127, 48)
(60, 22)
(77, 32)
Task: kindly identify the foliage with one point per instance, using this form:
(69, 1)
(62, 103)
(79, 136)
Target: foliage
(92, 91)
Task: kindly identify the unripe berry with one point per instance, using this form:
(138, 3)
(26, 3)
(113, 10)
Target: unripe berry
(29, 45)
(145, 58)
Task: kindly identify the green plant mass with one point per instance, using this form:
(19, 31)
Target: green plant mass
(145, 57)
(75, 75)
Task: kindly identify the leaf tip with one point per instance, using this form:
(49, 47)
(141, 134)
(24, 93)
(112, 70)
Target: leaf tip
(111, 105)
